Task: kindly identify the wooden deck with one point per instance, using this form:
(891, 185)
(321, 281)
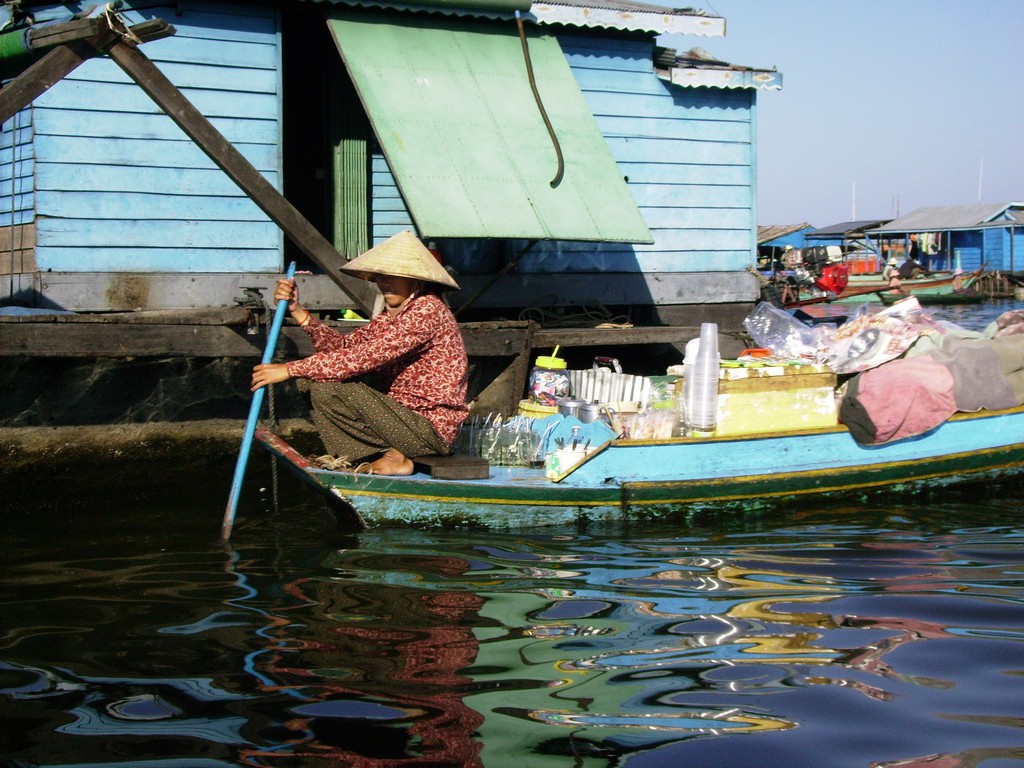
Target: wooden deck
(238, 332)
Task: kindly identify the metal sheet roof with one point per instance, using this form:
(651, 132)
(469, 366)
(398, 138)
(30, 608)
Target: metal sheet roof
(620, 15)
(697, 68)
(953, 217)
(630, 17)
(453, 109)
(847, 227)
(768, 232)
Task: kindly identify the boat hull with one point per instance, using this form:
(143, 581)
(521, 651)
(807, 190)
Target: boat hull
(935, 299)
(677, 478)
(860, 291)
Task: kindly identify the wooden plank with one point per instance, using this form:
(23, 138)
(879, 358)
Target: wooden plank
(70, 340)
(146, 152)
(129, 233)
(607, 337)
(152, 29)
(232, 162)
(156, 334)
(59, 256)
(184, 289)
(616, 289)
(236, 316)
(495, 339)
(109, 207)
(454, 467)
(208, 182)
(50, 35)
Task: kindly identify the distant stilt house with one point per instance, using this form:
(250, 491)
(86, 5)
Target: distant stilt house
(573, 162)
(966, 236)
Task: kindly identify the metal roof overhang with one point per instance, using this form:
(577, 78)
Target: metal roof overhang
(622, 15)
(694, 77)
(627, 16)
(452, 107)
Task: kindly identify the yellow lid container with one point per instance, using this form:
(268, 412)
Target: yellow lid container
(536, 410)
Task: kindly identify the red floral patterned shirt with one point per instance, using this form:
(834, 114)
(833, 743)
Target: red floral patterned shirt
(418, 353)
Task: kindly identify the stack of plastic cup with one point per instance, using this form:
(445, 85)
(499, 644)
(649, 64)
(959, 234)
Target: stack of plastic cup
(686, 398)
(702, 393)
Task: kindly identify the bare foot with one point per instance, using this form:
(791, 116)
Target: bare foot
(393, 462)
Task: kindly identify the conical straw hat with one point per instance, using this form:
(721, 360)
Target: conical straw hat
(402, 255)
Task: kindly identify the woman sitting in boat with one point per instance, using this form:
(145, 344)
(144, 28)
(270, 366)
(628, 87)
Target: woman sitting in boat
(394, 389)
(891, 274)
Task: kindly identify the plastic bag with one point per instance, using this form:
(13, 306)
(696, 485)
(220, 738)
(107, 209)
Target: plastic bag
(867, 338)
(773, 328)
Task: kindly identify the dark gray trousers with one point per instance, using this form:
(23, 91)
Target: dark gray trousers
(356, 421)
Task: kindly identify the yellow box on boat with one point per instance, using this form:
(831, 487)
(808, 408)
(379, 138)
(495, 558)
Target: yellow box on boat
(536, 410)
(775, 398)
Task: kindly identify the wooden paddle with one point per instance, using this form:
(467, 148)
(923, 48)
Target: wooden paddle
(254, 413)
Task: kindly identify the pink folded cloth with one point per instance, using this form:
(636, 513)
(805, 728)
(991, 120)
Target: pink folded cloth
(898, 399)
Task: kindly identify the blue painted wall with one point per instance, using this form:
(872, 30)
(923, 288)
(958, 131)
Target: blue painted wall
(989, 246)
(17, 158)
(688, 155)
(119, 187)
(114, 185)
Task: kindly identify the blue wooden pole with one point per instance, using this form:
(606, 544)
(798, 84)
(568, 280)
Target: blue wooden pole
(254, 414)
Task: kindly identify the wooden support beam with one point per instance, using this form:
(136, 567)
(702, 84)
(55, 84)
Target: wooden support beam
(298, 229)
(50, 35)
(70, 44)
(41, 76)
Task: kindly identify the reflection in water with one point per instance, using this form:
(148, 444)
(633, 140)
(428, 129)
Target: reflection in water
(397, 701)
(896, 635)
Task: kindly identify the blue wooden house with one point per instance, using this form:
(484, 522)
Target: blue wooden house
(553, 155)
(966, 236)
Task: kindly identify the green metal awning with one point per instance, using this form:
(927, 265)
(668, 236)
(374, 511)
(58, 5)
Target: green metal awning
(452, 107)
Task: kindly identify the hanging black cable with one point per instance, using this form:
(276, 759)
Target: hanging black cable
(540, 105)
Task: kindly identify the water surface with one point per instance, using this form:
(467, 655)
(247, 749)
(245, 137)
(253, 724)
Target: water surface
(855, 636)
(858, 636)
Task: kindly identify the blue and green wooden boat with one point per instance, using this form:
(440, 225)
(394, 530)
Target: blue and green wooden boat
(678, 477)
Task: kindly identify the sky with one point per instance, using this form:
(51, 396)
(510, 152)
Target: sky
(886, 105)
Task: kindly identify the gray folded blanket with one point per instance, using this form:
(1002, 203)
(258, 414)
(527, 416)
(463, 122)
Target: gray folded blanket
(987, 373)
(912, 395)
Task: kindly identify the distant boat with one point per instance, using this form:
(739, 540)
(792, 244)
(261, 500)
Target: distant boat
(859, 291)
(967, 296)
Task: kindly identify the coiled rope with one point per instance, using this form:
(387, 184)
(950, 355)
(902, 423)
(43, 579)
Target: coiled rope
(591, 314)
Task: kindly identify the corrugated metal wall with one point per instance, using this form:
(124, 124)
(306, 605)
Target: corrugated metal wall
(121, 188)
